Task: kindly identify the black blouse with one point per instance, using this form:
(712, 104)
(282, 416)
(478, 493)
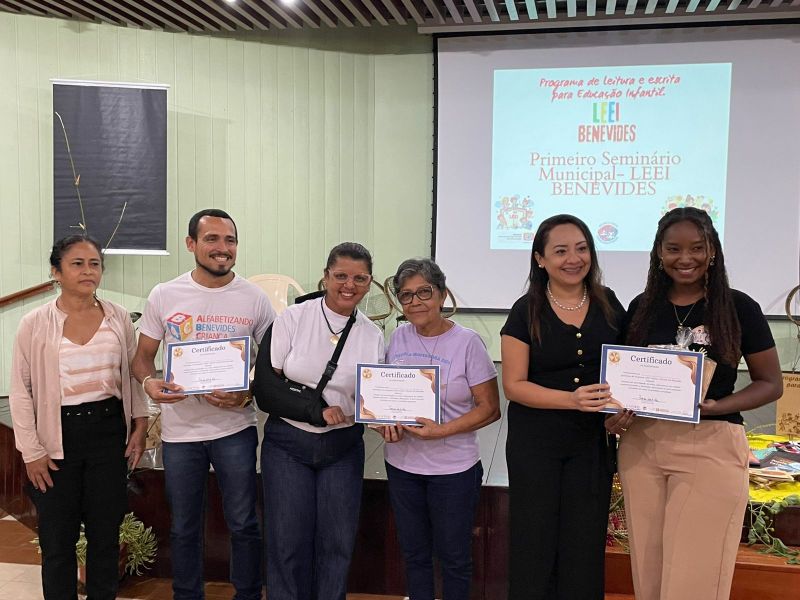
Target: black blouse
(756, 337)
(566, 358)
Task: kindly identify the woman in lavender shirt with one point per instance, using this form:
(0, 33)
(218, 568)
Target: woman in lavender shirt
(434, 470)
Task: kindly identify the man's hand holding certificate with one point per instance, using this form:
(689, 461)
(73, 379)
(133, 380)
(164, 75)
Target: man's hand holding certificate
(392, 394)
(656, 383)
(200, 367)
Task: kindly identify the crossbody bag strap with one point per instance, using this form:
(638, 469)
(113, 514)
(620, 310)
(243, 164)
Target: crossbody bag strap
(333, 362)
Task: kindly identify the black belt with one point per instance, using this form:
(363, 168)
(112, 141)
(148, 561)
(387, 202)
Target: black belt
(107, 407)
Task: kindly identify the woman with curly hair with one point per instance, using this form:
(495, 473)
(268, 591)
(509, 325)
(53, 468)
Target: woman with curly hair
(686, 485)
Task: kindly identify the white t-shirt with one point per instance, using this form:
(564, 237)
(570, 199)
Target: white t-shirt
(301, 348)
(182, 310)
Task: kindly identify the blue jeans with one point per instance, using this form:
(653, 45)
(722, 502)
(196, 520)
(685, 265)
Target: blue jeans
(312, 496)
(186, 473)
(434, 514)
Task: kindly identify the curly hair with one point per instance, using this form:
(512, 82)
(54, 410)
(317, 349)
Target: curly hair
(537, 278)
(721, 320)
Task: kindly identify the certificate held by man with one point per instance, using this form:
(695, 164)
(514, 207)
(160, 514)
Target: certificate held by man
(391, 394)
(202, 366)
(656, 383)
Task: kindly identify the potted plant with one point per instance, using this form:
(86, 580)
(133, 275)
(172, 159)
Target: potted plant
(137, 548)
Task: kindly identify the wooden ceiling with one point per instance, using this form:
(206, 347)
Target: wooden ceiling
(429, 16)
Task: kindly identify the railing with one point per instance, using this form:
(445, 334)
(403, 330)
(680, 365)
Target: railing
(35, 290)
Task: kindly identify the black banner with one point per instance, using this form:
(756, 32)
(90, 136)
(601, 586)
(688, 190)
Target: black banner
(115, 138)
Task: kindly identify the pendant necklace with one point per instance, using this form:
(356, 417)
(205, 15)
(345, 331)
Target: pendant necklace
(684, 334)
(578, 306)
(334, 339)
(430, 359)
(436, 343)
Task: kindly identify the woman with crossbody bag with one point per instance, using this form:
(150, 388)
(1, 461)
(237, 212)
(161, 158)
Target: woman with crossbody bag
(312, 473)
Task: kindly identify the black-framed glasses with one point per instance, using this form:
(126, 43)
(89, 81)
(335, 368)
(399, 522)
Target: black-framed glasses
(407, 296)
(359, 279)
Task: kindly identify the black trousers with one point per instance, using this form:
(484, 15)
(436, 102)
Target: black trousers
(558, 505)
(90, 488)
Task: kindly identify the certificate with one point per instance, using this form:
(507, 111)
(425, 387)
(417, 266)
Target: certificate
(655, 383)
(390, 394)
(200, 367)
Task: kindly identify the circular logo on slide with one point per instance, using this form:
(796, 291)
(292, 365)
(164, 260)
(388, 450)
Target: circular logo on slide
(607, 233)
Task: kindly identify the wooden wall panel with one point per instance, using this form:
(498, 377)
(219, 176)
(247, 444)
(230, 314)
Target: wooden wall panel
(12, 479)
(250, 214)
(316, 165)
(281, 131)
(307, 138)
(263, 226)
(11, 274)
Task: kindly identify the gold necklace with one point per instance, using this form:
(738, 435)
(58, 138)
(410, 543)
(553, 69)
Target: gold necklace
(578, 306)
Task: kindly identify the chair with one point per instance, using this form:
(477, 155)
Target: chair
(277, 287)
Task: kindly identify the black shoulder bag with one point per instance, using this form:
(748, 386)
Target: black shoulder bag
(282, 397)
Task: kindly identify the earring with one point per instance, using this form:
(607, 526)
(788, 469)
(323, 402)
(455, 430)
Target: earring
(660, 265)
(541, 266)
(711, 262)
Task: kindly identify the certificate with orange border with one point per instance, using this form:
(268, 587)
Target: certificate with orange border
(207, 365)
(653, 382)
(391, 394)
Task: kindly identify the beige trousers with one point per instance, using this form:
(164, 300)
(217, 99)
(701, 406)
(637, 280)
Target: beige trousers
(686, 488)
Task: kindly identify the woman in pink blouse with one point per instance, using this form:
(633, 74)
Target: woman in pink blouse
(78, 415)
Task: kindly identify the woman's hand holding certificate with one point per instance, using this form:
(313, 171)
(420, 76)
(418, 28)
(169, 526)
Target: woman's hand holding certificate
(656, 383)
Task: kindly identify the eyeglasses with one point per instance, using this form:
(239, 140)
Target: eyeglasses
(359, 279)
(407, 296)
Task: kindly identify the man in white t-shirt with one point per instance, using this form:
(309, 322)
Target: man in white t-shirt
(216, 429)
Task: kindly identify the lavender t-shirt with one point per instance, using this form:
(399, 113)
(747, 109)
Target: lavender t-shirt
(464, 363)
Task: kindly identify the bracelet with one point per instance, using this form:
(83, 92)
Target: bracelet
(246, 401)
(145, 380)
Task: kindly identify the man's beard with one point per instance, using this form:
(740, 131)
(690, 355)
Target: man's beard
(215, 273)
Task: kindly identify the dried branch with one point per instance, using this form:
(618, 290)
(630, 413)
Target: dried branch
(113, 233)
(76, 178)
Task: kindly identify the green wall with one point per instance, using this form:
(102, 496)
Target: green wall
(307, 139)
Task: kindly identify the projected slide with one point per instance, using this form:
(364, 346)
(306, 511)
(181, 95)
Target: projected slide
(617, 146)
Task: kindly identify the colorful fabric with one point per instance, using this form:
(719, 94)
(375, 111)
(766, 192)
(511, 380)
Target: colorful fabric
(759, 444)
